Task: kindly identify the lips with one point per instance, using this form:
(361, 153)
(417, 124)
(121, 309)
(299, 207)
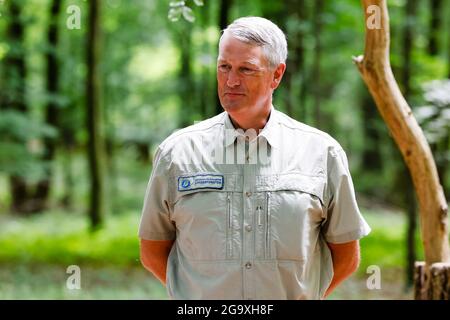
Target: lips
(234, 94)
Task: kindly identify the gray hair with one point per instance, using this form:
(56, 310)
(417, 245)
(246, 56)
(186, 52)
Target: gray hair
(261, 32)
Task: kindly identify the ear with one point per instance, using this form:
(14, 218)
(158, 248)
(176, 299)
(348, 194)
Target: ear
(277, 75)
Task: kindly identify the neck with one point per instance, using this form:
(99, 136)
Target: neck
(245, 122)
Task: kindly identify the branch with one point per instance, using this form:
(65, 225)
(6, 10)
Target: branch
(376, 72)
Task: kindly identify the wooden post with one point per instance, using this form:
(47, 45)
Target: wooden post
(376, 72)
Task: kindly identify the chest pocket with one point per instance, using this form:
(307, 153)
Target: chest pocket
(289, 213)
(207, 222)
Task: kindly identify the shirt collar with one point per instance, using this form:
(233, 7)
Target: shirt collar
(269, 132)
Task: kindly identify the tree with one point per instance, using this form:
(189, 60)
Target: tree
(224, 20)
(95, 146)
(376, 72)
(438, 147)
(14, 99)
(316, 69)
(409, 200)
(52, 109)
(435, 27)
(295, 73)
(183, 37)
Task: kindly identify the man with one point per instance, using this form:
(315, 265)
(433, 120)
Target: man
(250, 204)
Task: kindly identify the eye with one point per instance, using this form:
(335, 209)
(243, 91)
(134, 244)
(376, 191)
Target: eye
(223, 67)
(247, 71)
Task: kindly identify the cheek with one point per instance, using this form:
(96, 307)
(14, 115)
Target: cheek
(258, 88)
(221, 80)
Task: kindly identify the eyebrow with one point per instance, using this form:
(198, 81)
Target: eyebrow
(251, 62)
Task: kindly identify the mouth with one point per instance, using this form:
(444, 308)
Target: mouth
(233, 94)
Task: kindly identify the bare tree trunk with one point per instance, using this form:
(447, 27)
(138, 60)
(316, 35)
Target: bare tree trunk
(409, 200)
(43, 186)
(14, 93)
(185, 76)
(432, 284)
(224, 11)
(376, 71)
(371, 152)
(317, 92)
(204, 88)
(442, 146)
(435, 27)
(296, 70)
(94, 117)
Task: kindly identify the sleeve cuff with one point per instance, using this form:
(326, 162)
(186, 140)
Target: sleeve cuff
(156, 236)
(349, 236)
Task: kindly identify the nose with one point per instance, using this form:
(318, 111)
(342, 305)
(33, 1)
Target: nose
(233, 79)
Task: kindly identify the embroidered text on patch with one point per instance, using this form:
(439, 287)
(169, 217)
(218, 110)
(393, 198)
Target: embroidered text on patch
(200, 181)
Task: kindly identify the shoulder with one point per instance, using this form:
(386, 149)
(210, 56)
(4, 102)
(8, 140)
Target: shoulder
(191, 133)
(303, 131)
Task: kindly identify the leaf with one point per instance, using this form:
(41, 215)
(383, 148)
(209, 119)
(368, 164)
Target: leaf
(424, 113)
(199, 2)
(176, 4)
(174, 14)
(188, 14)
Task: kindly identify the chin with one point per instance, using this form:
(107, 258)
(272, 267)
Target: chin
(233, 107)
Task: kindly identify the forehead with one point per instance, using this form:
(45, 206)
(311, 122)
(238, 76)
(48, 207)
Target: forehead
(237, 51)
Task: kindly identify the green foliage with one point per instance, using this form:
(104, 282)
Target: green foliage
(65, 239)
(44, 282)
(435, 116)
(385, 246)
(179, 9)
(20, 144)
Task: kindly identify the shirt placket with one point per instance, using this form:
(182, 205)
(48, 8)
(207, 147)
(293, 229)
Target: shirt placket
(249, 179)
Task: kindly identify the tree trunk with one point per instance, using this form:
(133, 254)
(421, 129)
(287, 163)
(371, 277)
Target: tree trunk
(435, 27)
(67, 198)
(376, 71)
(371, 152)
(296, 62)
(94, 116)
(224, 12)
(204, 88)
(408, 196)
(432, 283)
(14, 93)
(185, 77)
(409, 202)
(317, 92)
(52, 79)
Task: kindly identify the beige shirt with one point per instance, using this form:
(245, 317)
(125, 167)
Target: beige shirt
(251, 214)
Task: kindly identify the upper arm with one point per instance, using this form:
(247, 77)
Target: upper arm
(156, 223)
(344, 222)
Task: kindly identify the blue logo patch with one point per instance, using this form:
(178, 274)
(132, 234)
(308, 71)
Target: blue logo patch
(201, 181)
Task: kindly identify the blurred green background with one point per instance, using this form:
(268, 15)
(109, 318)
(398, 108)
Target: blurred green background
(85, 99)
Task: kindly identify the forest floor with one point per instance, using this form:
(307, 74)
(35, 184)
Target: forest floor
(98, 283)
(36, 251)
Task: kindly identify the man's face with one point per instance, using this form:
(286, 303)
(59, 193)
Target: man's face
(245, 81)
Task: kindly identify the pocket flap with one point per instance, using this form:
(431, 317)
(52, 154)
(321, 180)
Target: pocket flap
(314, 185)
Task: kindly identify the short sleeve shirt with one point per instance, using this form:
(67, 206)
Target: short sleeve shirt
(250, 213)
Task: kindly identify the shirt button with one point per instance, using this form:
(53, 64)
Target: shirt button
(248, 228)
(248, 265)
(248, 193)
